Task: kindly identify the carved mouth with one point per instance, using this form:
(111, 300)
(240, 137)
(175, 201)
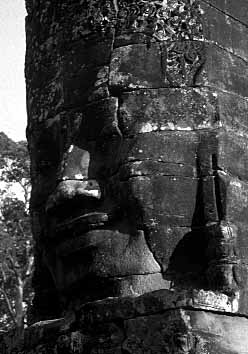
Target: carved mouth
(85, 222)
(93, 219)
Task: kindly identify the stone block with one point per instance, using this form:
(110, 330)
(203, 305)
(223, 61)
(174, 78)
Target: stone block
(233, 112)
(89, 54)
(46, 22)
(90, 83)
(87, 20)
(136, 66)
(167, 241)
(150, 99)
(130, 306)
(131, 37)
(184, 331)
(232, 155)
(234, 198)
(97, 117)
(162, 333)
(172, 197)
(236, 9)
(167, 109)
(224, 70)
(242, 242)
(177, 64)
(225, 30)
(86, 74)
(155, 66)
(103, 251)
(170, 147)
(151, 168)
(183, 62)
(242, 274)
(43, 63)
(46, 102)
(219, 333)
(141, 284)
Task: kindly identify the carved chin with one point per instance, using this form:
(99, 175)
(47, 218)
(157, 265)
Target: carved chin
(104, 254)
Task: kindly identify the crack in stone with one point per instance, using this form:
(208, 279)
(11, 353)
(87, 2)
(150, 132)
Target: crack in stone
(156, 175)
(217, 191)
(182, 307)
(209, 88)
(232, 52)
(135, 274)
(225, 13)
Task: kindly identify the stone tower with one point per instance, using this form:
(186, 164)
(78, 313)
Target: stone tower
(137, 129)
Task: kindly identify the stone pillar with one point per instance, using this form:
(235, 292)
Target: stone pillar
(137, 131)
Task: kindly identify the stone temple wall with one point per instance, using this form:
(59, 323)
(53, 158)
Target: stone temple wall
(137, 130)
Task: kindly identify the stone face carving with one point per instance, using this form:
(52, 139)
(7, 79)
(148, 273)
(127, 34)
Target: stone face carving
(139, 160)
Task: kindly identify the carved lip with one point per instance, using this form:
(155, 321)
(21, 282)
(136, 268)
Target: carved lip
(84, 222)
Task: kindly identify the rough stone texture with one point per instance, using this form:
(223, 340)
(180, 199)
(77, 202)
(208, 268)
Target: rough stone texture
(236, 10)
(225, 31)
(157, 322)
(137, 128)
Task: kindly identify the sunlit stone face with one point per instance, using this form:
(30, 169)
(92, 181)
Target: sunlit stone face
(128, 181)
(97, 213)
(134, 176)
(124, 216)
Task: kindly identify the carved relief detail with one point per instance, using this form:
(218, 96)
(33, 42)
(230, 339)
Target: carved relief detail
(223, 271)
(184, 61)
(164, 20)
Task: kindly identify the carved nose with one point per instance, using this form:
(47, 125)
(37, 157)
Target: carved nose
(71, 190)
(75, 165)
(74, 180)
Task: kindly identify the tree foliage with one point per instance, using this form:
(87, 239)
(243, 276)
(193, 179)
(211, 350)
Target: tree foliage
(16, 256)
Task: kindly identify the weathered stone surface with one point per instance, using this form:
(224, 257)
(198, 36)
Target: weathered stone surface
(225, 30)
(225, 71)
(124, 255)
(171, 64)
(170, 147)
(158, 196)
(138, 324)
(98, 117)
(167, 109)
(137, 128)
(136, 66)
(232, 111)
(237, 9)
(88, 84)
(234, 198)
(232, 154)
(176, 64)
(228, 334)
(152, 18)
(150, 168)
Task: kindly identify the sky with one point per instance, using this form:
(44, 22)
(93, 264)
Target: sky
(12, 84)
